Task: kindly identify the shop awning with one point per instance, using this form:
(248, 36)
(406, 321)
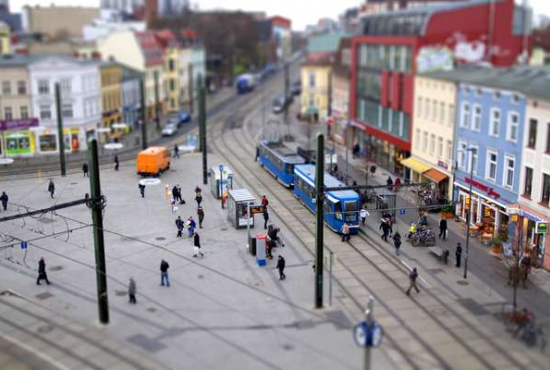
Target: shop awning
(415, 165)
(435, 175)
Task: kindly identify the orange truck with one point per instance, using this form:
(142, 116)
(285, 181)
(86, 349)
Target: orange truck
(153, 161)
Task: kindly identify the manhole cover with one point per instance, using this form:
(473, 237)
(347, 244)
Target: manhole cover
(223, 228)
(152, 309)
(56, 268)
(46, 220)
(44, 329)
(120, 293)
(74, 183)
(201, 276)
(288, 347)
(43, 296)
(161, 238)
(462, 282)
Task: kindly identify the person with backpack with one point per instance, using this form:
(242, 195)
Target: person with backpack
(412, 281)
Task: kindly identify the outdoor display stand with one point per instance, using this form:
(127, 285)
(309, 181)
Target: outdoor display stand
(223, 174)
(239, 203)
(261, 240)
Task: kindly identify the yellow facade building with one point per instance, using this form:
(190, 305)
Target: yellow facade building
(111, 94)
(315, 75)
(172, 78)
(5, 39)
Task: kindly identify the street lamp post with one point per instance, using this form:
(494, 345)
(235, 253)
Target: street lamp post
(469, 214)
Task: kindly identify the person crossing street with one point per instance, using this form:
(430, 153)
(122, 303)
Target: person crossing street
(200, 214)
(443, 229)
(281, 267)
(42, 272)
(132, 291)
(85, 169)
(197, 246)
(4, 199)
(412, 281)
(164, 266)
(458, 254)
(51, 188)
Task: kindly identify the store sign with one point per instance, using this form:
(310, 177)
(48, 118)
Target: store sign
(541, 227)
(443, 165)
(490, 192)
(434, 59)
(18, 124)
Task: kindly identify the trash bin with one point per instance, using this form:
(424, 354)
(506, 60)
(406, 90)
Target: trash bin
(260, 249)
(252, 248)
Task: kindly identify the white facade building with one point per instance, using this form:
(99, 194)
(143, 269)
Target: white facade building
(194, 56)
(81, 101)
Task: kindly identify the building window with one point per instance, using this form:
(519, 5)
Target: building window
(545, 189)
(43, 87)
(417, 138)
(172, 84)
(45, 112)
(515, 99)
(21, 88)
(432, 144)
(8, 113)
(452, 117)
(474, 156)
(311, 79)
(434, 112)
(496, 95)
(24, 111)
(67, 110)
(528, 187)
(425, 142)
(491, 170)
(532, 138)
(65, 86)
(512, 127)
(419, 107)
(440, 147)
(476, 119)
(449, 150)
(509, 165)
(171, 65)
(494, 123)
(6, 87)
(462, 155)
(427, 110)
(465, 115)
(442, 113)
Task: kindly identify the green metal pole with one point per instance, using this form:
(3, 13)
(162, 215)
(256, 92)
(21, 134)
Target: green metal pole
(143, 114)
(202, 129)
(60, 138)
(157, 102)
(191, 90)
(319, 185)
(97, 206)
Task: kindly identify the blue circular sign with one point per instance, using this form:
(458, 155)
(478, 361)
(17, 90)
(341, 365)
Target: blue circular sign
(366, 335)
(221, 167)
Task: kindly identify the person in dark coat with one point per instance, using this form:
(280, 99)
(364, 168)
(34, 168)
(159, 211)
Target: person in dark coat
(4, 199)
(176, 151)
(176, 194)
(389, 183)
(281, 267)
(198, 199)
(356, 150)
(85, 169)
(443, 228)
(200, 214)
(132, 291)
(458, 254)
(51, 188)
(197, 245)
(164, 266)
(180, 225)
(266, 217)
(198, 190)
(117, 164)
(412, 281)
(42, 272)
(372, 170)
(179, 194)
(397, 242)
(386, 228)
(142, 190)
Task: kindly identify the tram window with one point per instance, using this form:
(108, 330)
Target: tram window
(338, 211)
(351, 211)
(326, 206)
(289, 169)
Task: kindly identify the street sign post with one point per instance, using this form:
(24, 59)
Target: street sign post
(221, 183)
(368, 333)
(24, 245)
(402, 212)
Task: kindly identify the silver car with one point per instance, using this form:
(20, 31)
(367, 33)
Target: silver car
(170, 130)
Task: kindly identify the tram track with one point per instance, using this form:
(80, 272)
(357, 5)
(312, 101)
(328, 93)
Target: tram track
(225, 150)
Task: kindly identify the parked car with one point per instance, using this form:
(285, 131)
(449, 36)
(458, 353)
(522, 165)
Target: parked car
(184, 116)
(170, 130)
(296, 88)
(173, 120)
(279, 104)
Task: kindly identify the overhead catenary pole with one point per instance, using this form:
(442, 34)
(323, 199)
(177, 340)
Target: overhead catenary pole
(369, 321)
(157, 101)
(202, 128)
(469, 215)
(60, 139)
(191, 90)
(143, 114)
(319, 222)
(97, 204)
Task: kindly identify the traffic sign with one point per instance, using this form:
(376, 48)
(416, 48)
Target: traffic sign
(24, 245)
(366, 335)
(402, 211)
(256, 209)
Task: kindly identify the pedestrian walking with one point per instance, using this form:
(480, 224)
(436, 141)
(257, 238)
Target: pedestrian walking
(42, 272)
(200, 214)
(176, 194)
(85, 169)
(396, 184)
(265, 202)
(164, 266)
(181, 200)
(51, 188)
(197, 246)
(191, 225)
(443, 228)
(345, 232)
(364, 214)
(372, 170)
(385, 227)
(412, 281)
(198, 190)
(458, 254)
(132, 291)
(179, 225)
(389, 183)
(142, 190)
(4, 199)
(117, 164)
(173, 207)
(397, 242)
(281, 267)
(176, 151)
(266, 217)
(198, 199)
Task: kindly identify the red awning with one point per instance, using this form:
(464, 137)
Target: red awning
(435, 175)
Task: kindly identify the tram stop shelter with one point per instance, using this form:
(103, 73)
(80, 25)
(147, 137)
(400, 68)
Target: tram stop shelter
(221, 181)
(238, 208)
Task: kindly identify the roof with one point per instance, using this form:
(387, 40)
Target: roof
(319, 59)
(281, 21)
(308, 170)
(165, 38)
(327, 42)
(530, 80)
(241, 195)
(16, 60)
(284, 152)
(150, 47)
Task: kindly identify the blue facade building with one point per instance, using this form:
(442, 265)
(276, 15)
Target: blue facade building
(489, 136)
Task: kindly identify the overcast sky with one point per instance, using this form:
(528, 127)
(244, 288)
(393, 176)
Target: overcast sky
(302, 12)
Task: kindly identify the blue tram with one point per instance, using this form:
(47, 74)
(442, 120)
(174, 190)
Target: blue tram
(339, 205)
(279, 160)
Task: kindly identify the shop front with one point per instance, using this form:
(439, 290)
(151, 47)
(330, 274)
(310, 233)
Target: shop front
(530, 228)
(17, 138)
(385, 154)
(47, 140)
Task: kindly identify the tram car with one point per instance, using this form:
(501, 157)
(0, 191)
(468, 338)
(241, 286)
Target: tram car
(279, 160)
(339, 205)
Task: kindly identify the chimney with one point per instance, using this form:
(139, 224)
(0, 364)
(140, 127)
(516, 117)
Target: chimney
(151, 12)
